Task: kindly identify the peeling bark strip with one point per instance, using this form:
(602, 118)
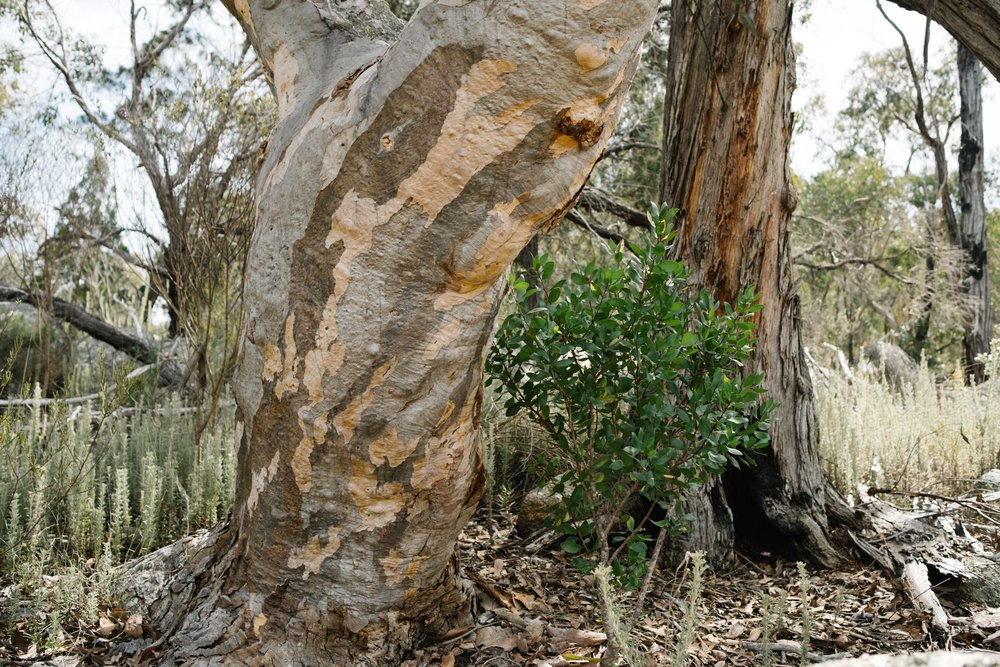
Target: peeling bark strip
(729, 86)
(399, 186)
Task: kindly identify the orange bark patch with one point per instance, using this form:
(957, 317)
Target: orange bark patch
(590, 56)
(313, 553)
(288, 382)
(347, 420)
(314, 431)
(509, 235)
(379, 504)
(390, 448)
(272, 361)
(258, 622)
(563, 143)
(468, 141)
(260, 479)
(447, 456)
(398, 566)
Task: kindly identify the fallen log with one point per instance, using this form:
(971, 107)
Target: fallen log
(170, 372)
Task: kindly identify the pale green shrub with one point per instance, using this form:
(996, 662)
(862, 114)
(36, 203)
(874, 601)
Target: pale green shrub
(690, 622)
(72, 476)
(83, 487)
(911, 438)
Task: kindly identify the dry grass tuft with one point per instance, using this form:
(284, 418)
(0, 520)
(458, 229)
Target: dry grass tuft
(929, 435)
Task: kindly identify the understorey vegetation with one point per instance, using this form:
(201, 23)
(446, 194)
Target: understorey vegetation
(641, 362)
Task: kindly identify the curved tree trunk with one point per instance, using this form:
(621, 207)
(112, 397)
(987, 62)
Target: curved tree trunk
(727, 126)
(972, 224)
(399, 186)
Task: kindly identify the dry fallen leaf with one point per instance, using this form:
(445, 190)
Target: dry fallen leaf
(495, 636)
(105, 626)
(133, 626)
(578, 637)
(456, 632)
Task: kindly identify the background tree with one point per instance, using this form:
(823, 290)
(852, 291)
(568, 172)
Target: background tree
(895, 105)
(860, 246)
(193, 118)
(727, 126)
(972, 220)
(936, 141)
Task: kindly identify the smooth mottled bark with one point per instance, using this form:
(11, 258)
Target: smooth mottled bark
(972, 218)
(409, 168)
(727, 125)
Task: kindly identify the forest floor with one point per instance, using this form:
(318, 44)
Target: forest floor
(536, 609)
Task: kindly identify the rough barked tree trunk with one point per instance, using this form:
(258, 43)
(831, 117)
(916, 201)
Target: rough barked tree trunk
(398, 187)
(972, 219)
(727, 126)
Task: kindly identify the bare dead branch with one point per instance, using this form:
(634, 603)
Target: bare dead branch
(626, 146)
(873, 262)
(603, 232)
(97, 329)
(593, 201)
(934, 142)
(59, 60)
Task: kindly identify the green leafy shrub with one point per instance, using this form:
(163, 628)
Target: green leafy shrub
(636, 378)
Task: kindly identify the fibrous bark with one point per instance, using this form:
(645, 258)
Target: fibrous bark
(727, 127)
(401, 182)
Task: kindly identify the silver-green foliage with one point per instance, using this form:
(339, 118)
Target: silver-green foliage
(72, 478)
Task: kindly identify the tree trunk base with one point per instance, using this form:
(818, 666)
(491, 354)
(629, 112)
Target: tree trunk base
(202, 620)
(769, 518)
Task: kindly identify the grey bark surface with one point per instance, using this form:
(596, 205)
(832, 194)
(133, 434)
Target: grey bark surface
(972, 219)
(409, 168)
(727, 125)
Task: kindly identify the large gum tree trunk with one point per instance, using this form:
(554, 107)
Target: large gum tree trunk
(399, 185)
(727, 127)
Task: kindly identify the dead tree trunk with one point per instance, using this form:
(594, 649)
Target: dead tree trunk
(972, 225)
(400, 184)
(727, 125)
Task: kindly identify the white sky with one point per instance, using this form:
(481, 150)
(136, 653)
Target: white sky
(832, 40)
